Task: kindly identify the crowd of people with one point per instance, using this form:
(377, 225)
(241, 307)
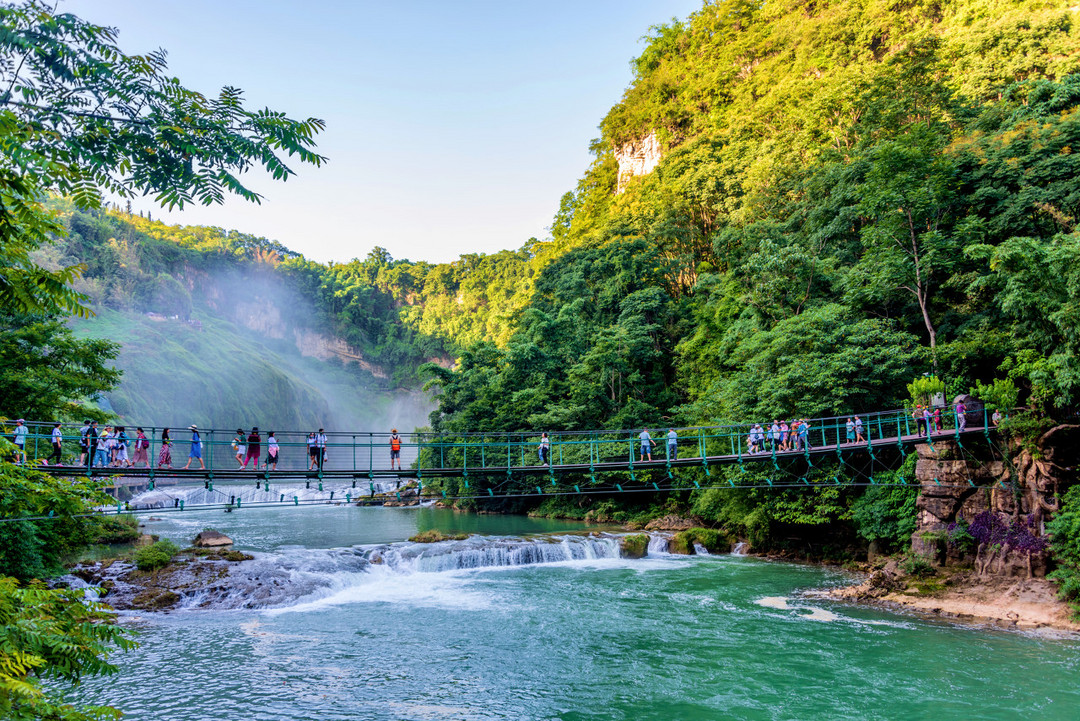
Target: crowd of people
(782, 436)
(116, 447)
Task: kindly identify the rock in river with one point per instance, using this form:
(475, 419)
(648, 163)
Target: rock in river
(210, 539)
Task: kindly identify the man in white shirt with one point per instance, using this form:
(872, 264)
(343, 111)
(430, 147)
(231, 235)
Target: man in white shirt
(320, 443)
(672, 445)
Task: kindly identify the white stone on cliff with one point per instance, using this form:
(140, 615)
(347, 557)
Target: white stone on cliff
(637, 157)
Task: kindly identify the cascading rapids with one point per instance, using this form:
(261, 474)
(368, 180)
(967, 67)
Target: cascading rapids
(167, 496)
(298, 576)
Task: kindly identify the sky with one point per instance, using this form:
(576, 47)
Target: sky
(452, 126)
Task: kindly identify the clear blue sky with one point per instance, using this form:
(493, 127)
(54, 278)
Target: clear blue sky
(452, 127)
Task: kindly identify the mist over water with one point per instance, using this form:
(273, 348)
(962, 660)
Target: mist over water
(251, 353)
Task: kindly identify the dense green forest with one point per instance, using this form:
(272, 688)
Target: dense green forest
(850, 195)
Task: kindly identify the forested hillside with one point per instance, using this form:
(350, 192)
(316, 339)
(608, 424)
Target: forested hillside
(849, 194)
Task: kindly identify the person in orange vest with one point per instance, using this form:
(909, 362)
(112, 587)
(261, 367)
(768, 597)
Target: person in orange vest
(395, 449)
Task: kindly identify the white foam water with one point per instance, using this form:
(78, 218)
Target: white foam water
(168, 496)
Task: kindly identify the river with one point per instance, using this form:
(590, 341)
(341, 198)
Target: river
(560, 630)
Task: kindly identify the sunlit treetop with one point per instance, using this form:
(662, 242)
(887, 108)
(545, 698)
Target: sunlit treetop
(81, 118)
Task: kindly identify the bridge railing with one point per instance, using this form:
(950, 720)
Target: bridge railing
(368, 453)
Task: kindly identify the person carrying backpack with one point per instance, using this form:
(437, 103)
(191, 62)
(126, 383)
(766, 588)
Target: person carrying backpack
(395, 449)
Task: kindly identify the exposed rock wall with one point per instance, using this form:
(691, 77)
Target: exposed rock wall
(638, 157)
(962, 481)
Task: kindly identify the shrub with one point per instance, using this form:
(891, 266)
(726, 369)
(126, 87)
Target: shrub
(1065, 542)
(714, 540)
(960, 538)
(115, 529)
(155, 556)
(917, 566)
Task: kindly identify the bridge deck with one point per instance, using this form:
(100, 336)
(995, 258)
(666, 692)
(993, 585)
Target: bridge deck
(179, 475)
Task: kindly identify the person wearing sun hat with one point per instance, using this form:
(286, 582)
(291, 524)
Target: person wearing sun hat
(20, 441)
(196, 447)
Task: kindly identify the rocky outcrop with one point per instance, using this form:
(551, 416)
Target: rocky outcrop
(637, 157)
(211, 539)
(671, 523)
(961, 482)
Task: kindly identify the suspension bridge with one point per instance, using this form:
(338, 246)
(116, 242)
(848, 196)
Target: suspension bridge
(358, 468)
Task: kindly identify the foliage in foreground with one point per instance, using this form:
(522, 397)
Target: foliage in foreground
(1064, 531)
(42, 519)
(48, 635)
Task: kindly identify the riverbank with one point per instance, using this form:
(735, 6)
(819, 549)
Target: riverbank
(1015, 603)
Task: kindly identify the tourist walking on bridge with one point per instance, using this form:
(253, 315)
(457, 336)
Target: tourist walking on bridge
(57, 444)
(312, 450)
(195, 454)
(122, 448)
(91, 437)
(646, 444)
(239, 447)
(320, 443)
(272, 450)
(961, 416)
(395, 449)
(672, 445)
(850, 427)
(254, 448)
(142, 445)
(918, 416)
(164, 456)
(84, 446)
(859, 438)
(545, 449)
(804, 435)
(20, 441)
(101, 448)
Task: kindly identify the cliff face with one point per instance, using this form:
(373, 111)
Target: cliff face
(264, 317)
(961, 482)
(639, 157)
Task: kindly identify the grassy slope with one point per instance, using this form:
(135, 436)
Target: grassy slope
(225, 375)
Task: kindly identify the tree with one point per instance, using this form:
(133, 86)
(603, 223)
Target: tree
(907, 196)
(47, 373)
(79, 117)
(52, 635)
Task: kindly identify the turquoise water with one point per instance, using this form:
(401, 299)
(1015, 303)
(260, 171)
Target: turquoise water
(596, 637)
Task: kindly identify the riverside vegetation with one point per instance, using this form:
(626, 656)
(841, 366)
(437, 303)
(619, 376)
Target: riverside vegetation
(849, 194)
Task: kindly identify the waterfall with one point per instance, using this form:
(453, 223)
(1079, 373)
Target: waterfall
(166, 496)
(485, 552)
(658, 544)
(700, 550)
(740, 549)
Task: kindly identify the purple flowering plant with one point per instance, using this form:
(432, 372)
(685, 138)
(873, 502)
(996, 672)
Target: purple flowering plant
(992, 529)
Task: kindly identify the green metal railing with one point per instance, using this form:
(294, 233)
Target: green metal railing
(368, 454)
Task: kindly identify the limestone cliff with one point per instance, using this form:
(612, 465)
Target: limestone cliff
(637, 157)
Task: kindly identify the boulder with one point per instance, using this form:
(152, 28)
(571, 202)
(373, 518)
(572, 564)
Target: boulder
(211, 539)
(634, 546)
(670, 522)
